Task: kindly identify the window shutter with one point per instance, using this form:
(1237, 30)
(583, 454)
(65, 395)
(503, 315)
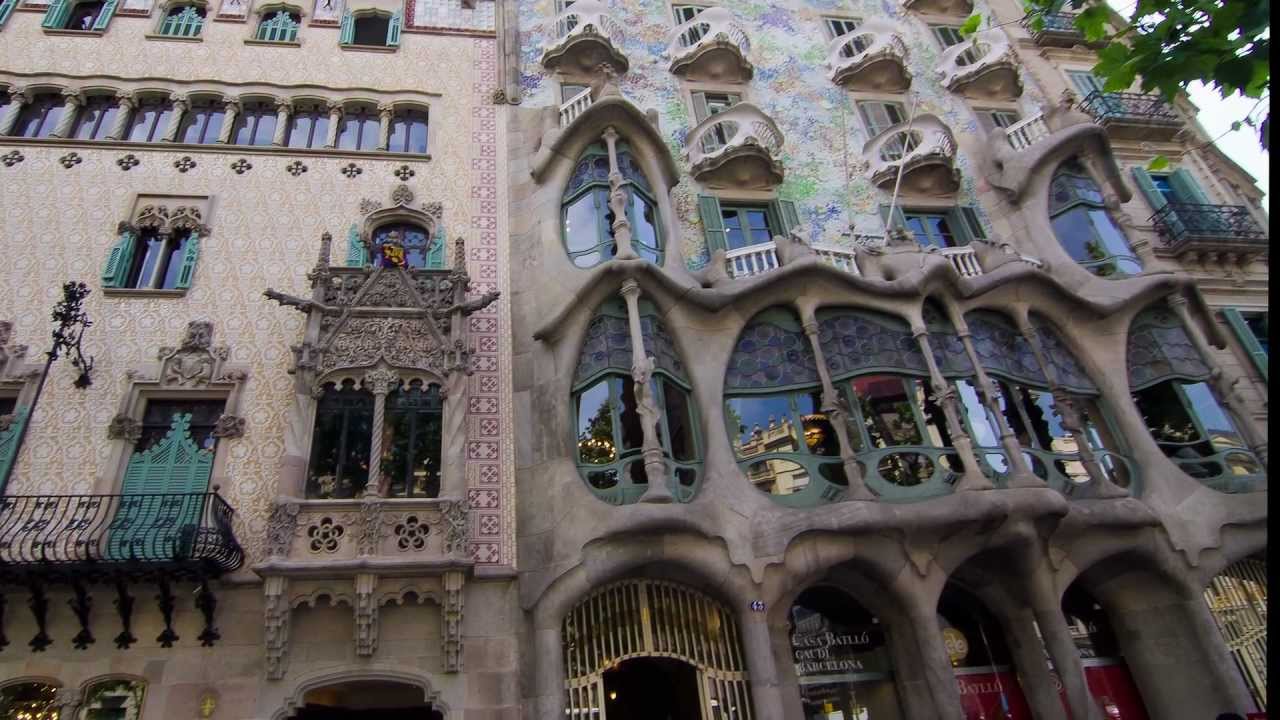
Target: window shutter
(1247, 339)
(393, 30)
(9, 442)
(971, 223)
(785, 211)
(357, 253)
(116, 272)
(189, 258)
(699, 107)
(104, 17)
(435, 256)
(56, 16)
(346, 29)
(1143, 179)
(1186, 188)
(712, 222)
(898, 219)
(6, 8)
(1085, 82)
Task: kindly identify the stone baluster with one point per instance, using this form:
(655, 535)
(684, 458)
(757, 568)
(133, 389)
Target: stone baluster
(1020, 474)
(282, 124)
(655, 466)
(125, 103)
(618, 200)
(836, 409)
(231, 112)
(18, 97)
(335, 119)
(380, 382)
(385, 113)
(72, 99)
(1222, 385)
(971, 477)
(1069, 413)
(175, 120)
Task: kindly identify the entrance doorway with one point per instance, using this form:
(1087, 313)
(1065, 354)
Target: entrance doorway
(651, 688)
(366, 700)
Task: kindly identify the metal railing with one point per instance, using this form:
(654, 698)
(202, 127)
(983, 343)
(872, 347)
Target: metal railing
(1129, 108)
(575, 106)
(175, 532)
(1027, 132)
(1180, 222)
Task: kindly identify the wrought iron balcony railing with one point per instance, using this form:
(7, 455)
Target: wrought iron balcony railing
(93, 537)
(1130, 108)
(1183, 223)
(1059, 29)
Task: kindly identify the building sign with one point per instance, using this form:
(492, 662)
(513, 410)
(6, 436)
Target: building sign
(837, 652)
(992, 696)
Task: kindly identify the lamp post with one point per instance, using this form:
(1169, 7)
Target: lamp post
(71, 321)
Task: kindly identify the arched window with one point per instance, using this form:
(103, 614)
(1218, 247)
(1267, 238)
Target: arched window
(841, 657)
(784, 442)
(85, 16)
(408, 131)
(183, 21)
(1168, 379)
(96, 117)
(588, 220)
(359, 128)
(1084, 227)
(119, 699)
(29, 701)
(202, 122)
(255, 123)
(278, 26)
(609, 431)
(405, 245)
(308, 125)
(162, 261)
(39, 117)
(339, 466)
(370, 28)
(150, 119)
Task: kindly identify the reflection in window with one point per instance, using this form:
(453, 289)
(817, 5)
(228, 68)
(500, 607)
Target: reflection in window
(150, 119)
(202, 122)
(339, 466)
(588, 220)
(1084, 227)
(409, 131)
(159, 260)
(780, 439)
(359, 129)
(411, 441)
(39, 117)
(29, 701)
(255, 123)
(96, 118)
(308, 126)
(113, 700)
(159, 415)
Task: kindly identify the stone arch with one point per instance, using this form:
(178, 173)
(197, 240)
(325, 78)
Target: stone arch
(295, 699)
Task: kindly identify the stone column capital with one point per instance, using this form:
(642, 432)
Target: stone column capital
(381, 381)
(73, 96)
(630, 289)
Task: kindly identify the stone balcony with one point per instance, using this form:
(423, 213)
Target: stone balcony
(1058, 30)
(925, 152)
(740, 147)
(1133, 116)
(585, 36)
(1222, 232)
(955, 8)
(983, 67)
(873, 57)
(711, 47)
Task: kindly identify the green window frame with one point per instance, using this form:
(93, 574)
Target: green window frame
(60, 11)
(1251, 329)
(589, 188)
(282, 26)
(947, 35)
(347, 28)
(1084, 227)
(962, 222)
(9, 435)
(879, 115)
(6, 9)
(782, 218)
(182, 21)
(151, 261)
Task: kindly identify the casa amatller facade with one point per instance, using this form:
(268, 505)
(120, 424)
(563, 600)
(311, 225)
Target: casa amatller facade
(462, 359)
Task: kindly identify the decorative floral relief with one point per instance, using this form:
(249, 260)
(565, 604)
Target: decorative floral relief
(411, 534)
(326, 536)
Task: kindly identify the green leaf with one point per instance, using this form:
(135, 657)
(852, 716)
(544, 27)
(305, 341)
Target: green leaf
(970, 25)
(1092, 21)
(1158, 162)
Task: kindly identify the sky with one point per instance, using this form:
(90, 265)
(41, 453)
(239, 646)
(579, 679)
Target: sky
(1216, 115)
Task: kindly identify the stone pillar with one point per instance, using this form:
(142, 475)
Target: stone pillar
(385, 113)
(282, 124)
(934, 671)
(17, 99)
(453, 435)
(618, 200)
(971, 477)
(548, 679)
(335, 117)
(788, 682)
(231, 110)
(378, 381)
(655, 466)
(836, 408)
(761, 668)
(1053, 630)
(1224, 387)
(71, 102)
(175, 120)
(124, 113)
(1033, 672)
(67, 700)
(1020, 474)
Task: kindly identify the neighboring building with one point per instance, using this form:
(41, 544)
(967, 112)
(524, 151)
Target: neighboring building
(947, 406)
(183, 159)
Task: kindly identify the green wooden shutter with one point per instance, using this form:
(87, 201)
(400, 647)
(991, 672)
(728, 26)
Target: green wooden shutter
(189, 257)
(1154, 197)
(9, 442)
(788, 216)
(393, 30)
(699, 107)
(898, 219)
(712, 222)
(116, 272)
(435, 256)
(1245, 335)
(1085, 82)
(346, 29)
(56, 16)
(1186, 188)
(357, 253)
(6, 8)
(104, 17)
(971, 223)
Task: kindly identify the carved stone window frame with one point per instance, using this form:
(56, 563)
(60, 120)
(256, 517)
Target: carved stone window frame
(165, 214)
(195, 369)
(17, 376)
(430, 215)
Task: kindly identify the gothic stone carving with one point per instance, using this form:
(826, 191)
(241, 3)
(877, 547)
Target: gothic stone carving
(124, 427)
(281, 525)
(194, 363)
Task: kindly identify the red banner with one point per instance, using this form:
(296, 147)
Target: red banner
(992, 696)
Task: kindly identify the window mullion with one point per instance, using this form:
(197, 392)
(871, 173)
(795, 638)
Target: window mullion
(1190, 408)
(342, 441)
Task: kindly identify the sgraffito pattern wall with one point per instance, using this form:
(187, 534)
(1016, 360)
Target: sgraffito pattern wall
(824, 134)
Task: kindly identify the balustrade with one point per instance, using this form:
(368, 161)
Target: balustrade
(741, 146)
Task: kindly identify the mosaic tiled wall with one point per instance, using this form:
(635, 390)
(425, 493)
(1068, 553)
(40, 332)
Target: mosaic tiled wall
(824, 134)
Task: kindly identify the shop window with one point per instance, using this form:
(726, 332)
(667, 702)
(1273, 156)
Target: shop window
(39, 117)
(29, 701)
(96, 118)
(359, 128)
(980, 658)
(1106, 674)
(408, 131)
(609, 432)
(202, 122)
(150, 119)
(588, 219)
(113, 700)
(280, 26)
(183, 21)
(255, 123)
(1084, 227)
(308, 125)
(339, 466)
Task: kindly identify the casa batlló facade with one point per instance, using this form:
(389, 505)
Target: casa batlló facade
(471, 359)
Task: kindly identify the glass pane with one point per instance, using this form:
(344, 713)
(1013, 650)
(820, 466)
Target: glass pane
(982, 424)
(411, 441)
(761, 424)
(1113, 240)
(941, 231)
(1074, 231)
(734, 237)
(265, 128)
(777, 476)
(758, 222)
(644, 227)
(632, 428)
(595, 425)
(150, 253)
(935, 420)
(905, 469)
(1213, 418)
(819, 434)
(29, 701)
(158, 417)
(582, 224)
(173, 262)
(1169, 422)
(339, 466)
(886, 410)
(371, 30)
(679, 421)
(349, 134)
